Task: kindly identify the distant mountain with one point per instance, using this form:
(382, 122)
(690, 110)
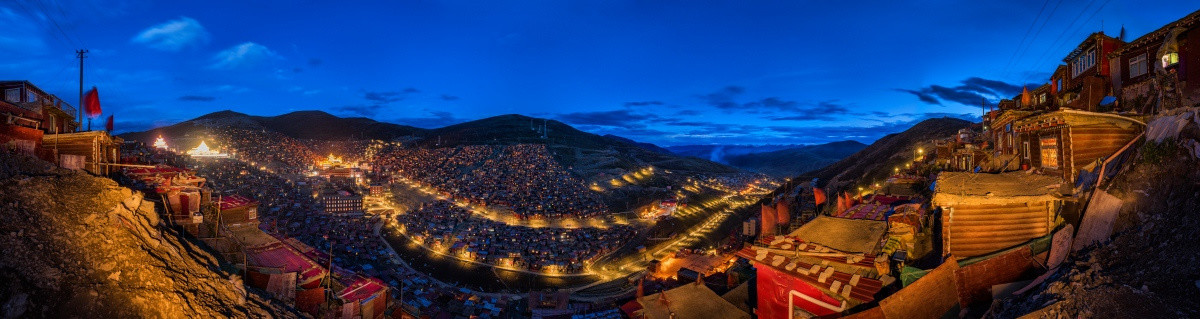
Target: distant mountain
(875, 162)
(314, 125)
(793, 161)
(648, 146)
(587, 153)
(719, 152)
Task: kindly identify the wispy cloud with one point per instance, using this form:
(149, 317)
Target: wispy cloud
(243, 55)
(173, 35)
(970, 91)
(197, 98)
(385, 97)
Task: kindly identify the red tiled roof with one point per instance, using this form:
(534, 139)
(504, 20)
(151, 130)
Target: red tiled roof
(278, 255)
(863, 289)
(362, 288)
(235, 201)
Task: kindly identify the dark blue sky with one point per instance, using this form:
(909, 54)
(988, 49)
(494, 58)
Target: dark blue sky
(667, 72)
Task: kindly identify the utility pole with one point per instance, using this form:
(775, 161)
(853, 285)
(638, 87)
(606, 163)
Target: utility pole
(81, 54)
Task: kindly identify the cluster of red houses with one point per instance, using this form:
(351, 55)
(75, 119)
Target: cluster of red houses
(1009, 199)
(287, 269)
(41, 124)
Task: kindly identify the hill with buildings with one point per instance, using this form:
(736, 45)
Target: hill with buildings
(793, 161)
(877, 160)
(77, 244)
(307, 125)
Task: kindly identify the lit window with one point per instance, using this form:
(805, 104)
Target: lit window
(1137, 65)
(1170, 59)
(1049, 152)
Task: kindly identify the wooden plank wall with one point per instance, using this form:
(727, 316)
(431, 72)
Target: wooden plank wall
(974, 230)
(1093, 142)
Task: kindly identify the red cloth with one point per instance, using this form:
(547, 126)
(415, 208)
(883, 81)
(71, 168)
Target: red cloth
(782, 213)
(775, 291)
(768, 220)
(91, 103)
(109, 126)
(818, 196)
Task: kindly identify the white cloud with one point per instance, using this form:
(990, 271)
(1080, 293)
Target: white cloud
(173, 35)
(245, 54)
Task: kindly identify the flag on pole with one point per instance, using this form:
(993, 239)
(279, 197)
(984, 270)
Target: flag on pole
(109, 125)
(91, 103)
(818, 196)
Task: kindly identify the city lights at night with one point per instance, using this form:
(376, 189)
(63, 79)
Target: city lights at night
(599, 159)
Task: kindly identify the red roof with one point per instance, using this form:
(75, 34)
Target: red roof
(865, 211)
(278, 255)
(361, 289)
(235, 201)
(862, 289)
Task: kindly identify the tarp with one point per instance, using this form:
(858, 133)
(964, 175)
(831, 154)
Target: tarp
(1098, 220)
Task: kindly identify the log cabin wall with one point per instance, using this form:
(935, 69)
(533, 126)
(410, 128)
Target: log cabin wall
(980, 229)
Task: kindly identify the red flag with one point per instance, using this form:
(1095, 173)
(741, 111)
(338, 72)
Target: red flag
(91, 103)
(768, 220)
(109, 126)
(818, 196)
(641, 292)
(782, 213)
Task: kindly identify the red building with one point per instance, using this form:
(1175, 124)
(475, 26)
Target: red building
(1162, 55)
(1086, 80)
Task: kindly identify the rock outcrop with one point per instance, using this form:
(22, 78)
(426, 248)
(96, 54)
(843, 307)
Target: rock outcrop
(78, 245)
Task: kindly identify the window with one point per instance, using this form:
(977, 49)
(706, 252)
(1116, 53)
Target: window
(1058, 85)
(12, 95)
(1042, 98)
(1170, 59)
(1049, 152)
(1026, 145)
(1083, 62)
(1137, 65)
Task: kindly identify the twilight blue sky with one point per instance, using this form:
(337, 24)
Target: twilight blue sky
(666, 72)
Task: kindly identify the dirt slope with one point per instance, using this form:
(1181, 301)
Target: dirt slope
(78, 245)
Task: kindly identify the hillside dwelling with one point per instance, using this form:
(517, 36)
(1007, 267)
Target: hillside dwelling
(1001, 131)
(797, 276)
(984, 213)
(282, 270)
(1067, 141)
(691, 300)
(27, 113)
(237, 209)
(1161, 56)
(362, 297)
(55, 115)
(98, 148)
(1086, 80)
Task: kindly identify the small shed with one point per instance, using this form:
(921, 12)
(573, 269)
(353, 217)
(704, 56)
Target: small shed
(1066, 141)
(983, 213)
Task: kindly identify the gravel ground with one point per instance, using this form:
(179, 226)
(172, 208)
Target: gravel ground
(75, 245)
(1150, 269)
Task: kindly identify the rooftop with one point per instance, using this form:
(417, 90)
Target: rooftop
(965, 187)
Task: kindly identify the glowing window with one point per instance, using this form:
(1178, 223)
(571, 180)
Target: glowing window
(1170, 59)
(1049, 152)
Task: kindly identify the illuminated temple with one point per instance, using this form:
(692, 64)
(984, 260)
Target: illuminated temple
(203, 151)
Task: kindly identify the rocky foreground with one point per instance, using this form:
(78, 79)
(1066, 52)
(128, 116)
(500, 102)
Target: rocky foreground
(75, 245)
(1150, 268)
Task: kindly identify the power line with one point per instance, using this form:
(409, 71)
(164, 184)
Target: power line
(1022, 43)
(1058, 44)
(46, 12)
(1040, 28)
(1055, 44)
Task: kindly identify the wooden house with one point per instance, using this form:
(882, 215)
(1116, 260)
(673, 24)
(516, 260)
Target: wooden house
(984, 213)
(97, 148)
(1086, 80)
(1066, 141)
(1169, 50)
